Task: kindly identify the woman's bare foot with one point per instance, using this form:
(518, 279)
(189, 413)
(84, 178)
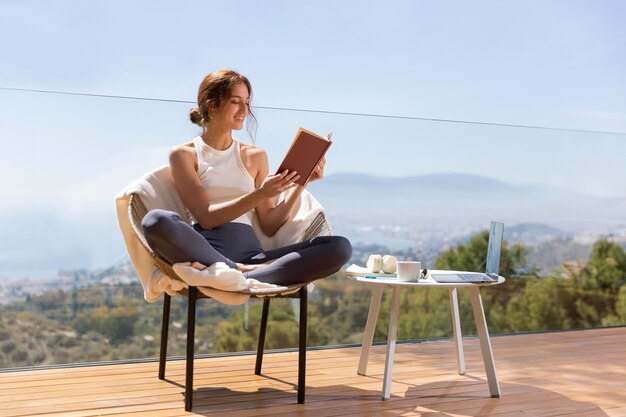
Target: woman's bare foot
(198, 266)
(248, 268)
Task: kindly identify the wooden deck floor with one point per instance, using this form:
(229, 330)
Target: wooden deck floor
(578, 373)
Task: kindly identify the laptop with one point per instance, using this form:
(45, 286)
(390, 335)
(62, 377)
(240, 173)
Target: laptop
(494, 247)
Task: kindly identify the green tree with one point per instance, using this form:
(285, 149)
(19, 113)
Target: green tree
(620, 306)
(541, 306)
(606, 269)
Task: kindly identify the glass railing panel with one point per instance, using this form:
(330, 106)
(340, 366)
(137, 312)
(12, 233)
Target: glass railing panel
(416, 189)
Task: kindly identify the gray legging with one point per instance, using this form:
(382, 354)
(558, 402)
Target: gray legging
(176, 241)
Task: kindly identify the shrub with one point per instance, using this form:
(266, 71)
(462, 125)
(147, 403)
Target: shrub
(19, 357)
(8, 346)
(4, 335)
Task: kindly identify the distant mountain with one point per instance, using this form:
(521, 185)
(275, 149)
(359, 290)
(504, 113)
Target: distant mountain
(443, 183)
(462, 198)
(445, 180)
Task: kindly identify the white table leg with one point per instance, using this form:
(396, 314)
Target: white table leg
(391, 341)
(370, 327)
(456, 331)
(485, 344)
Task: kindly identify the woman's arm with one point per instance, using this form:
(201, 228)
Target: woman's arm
(271, 215)
(196, 198)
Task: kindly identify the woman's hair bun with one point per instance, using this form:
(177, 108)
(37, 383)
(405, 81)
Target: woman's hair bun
(196, 116)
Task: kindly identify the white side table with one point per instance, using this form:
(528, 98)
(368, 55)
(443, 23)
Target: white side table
(479, 316)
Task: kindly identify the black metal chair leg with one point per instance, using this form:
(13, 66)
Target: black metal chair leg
(302, 345)
(261, 345)
(191, 336)
(164, 332)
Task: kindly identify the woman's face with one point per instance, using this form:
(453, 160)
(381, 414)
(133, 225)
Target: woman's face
(234, 110)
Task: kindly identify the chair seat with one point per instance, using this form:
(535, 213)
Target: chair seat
(137, 210)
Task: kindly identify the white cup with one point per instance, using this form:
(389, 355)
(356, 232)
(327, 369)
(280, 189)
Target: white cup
(409, 270)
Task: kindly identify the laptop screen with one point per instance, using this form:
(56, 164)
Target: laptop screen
(496, 233)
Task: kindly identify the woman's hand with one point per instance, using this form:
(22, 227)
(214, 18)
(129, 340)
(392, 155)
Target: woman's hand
(275, 184)
(318, 172)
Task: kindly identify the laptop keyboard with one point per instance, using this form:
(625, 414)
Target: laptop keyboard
(469, 277)
(474, 277)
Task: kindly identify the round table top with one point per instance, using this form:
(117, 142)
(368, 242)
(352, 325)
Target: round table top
(427, 282)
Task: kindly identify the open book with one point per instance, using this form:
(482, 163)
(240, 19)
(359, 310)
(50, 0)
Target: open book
(306, 151)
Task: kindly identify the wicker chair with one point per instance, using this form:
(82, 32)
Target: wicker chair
(319, 227)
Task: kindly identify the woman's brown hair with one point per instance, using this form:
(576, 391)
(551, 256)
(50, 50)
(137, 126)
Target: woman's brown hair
(214, 91)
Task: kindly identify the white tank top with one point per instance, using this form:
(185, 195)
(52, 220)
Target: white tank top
(223, 174)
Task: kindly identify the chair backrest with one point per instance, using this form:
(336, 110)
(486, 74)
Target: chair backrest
(494, 248)
(136, 212)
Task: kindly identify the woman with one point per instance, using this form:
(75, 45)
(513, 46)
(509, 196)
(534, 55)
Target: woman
(222, 181)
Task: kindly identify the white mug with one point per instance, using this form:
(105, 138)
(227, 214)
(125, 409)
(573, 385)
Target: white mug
(409, 270)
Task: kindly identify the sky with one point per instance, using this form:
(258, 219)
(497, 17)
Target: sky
(553, 63)
(550, 64)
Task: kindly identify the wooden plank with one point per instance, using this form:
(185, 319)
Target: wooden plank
(543, 374)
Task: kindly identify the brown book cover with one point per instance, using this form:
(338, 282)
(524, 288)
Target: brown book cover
(306, 150)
